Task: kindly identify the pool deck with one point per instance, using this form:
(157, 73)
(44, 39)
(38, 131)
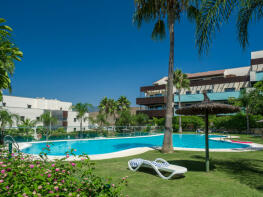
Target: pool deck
(140, 150)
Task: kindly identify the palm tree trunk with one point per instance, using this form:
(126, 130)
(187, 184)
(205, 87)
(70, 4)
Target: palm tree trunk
(247, 116)
(80, 133)
(168, 138)
(180, 118)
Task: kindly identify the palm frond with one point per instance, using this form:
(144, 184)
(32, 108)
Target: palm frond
(213, 14)
(251, 9)
(159, 30)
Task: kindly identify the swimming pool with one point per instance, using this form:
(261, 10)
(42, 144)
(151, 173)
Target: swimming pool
(102, 146)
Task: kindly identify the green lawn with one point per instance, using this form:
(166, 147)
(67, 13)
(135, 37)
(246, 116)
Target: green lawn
(232, 174)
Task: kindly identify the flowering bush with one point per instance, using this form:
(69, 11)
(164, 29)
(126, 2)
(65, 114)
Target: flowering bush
(24, 176)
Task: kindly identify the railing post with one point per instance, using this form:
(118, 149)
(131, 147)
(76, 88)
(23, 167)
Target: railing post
(10, 147)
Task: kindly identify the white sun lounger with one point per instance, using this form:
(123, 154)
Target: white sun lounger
(158, 165)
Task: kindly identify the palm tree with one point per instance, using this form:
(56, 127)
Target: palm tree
(101, 120)
(123, 103)
(108, 107)
(27, 125)
(6, 119)
(159, 11)
(244, 100)
(81, 109)
(215, 12)
(8, 54)
(48, 120)
(104, 107)
(180, 82)
(112, 108)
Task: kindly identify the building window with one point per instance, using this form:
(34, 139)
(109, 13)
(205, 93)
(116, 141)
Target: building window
(188, 92)
(38, 118)
(84, 128)
(230, 89)
(29, 106)
(4, 104)
(74, 129)
(61, 109)
(197, 91)
(75, 119)
(22, 118)
(209, 91)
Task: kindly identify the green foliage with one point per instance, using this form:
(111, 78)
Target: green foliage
(81, 109)
(188, 123)
(111, 107)
(159, 11)
(123, 104)
(21, 175)
(6, 119)
(141, 119)
(48, 119)
(125, 119)
(26, 126)
(214, 13)
(9, 53)
(236, 122)
(181, 80)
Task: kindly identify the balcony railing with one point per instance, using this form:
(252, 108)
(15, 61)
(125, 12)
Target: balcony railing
(219, 81)
(151, 100)
(151, 88)
(216, 96)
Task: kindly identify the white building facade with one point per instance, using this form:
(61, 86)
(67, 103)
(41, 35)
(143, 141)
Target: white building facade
(33, 108)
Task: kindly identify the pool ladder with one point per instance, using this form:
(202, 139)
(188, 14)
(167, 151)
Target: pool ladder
(8, 139)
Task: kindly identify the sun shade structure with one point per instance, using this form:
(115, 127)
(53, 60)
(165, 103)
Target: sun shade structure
(205, 108)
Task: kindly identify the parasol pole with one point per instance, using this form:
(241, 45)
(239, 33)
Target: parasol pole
(206, 142)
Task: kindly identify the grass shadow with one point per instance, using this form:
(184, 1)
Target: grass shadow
(247, 171)
(192, 165)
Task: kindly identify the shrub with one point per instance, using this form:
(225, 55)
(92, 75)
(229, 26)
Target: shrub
(21, 175)
(236, 122)
(188, 123)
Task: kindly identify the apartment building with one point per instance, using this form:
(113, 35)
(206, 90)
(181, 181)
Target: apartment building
(33, 108)
(220, 85)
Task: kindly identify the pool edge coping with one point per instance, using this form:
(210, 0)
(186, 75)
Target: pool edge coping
(140, 150)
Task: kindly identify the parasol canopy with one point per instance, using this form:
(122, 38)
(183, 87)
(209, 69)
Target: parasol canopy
(207, 107)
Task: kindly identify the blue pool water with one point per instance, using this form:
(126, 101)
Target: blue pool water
(101, 146)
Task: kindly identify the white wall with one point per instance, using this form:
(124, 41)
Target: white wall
(75, 125)
(256, 54)
(38, 103)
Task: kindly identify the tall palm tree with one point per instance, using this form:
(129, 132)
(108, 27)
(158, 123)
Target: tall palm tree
(215, 12)
(123, 103)
(48, 120)
(82, 109)
(180, 82)
(9, 53)
(6, 119)
(159, 11)
(27, 125)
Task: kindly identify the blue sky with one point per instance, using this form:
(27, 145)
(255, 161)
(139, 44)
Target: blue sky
(81, 51)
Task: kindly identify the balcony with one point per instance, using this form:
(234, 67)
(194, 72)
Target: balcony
(219, 81)
(216, 96)
(151, 88)
(151, 100)
(152, 113)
